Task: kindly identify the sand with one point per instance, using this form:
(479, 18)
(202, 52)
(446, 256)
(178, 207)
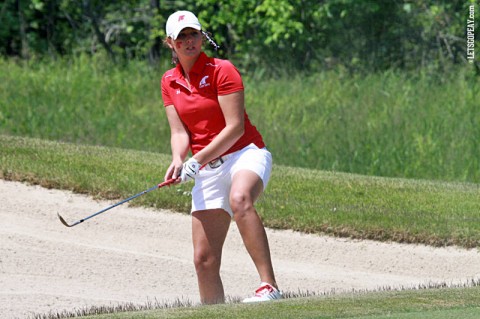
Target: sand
(143, 255)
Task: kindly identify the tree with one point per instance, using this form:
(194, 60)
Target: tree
(271, 36)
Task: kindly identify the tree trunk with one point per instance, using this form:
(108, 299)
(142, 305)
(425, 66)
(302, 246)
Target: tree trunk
(93, 16)
(154, 52)
(50, 28)
(24, 50)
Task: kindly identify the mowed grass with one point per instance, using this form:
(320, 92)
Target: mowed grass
(419, 304)
(397, 124)
(311, 201)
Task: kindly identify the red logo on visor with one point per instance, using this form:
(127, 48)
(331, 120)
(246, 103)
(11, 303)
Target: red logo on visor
(180, 18)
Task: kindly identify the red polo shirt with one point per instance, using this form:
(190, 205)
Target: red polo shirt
(198, 105)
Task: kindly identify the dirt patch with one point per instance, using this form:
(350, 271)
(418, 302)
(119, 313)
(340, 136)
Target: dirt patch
(141, 255)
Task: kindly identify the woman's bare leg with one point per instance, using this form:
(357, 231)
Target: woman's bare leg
(209, 230)
(246, 187)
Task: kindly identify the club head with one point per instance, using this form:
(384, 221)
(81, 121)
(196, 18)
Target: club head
(63, 220)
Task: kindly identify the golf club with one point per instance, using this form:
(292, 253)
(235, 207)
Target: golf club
(168, 182)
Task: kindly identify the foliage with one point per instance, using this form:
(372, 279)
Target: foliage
(270, 36)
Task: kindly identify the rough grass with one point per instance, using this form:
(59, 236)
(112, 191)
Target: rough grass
(313, 201)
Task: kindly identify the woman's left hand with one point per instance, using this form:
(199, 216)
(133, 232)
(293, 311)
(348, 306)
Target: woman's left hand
(190, 170)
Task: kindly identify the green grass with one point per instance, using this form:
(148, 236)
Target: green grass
(388, 124)
(419, 304)
(312, 201)
(84, 101)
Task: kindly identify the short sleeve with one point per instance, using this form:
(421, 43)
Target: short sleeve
(165, 91)
(229, 79)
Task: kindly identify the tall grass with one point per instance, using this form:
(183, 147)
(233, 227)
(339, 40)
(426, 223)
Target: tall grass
(85, 101)
(389, 124)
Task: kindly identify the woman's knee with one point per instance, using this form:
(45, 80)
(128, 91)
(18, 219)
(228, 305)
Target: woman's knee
(206, 261)
(240, 202)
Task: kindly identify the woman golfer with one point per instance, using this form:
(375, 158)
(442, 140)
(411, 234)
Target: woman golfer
(204, 103)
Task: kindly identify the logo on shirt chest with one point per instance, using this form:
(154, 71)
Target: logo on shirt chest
(203, 82)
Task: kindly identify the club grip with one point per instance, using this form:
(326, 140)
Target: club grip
(167, 182)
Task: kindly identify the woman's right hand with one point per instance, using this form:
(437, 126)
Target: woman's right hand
(173, 172)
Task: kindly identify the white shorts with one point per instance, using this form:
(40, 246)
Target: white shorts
(212, 185)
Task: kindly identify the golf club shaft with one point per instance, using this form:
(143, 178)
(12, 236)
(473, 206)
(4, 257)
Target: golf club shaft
(168, 182)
